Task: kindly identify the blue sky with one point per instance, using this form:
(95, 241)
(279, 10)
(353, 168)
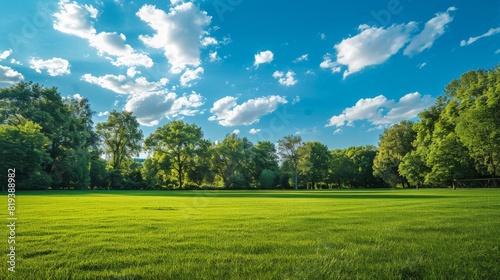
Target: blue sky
(330, 71)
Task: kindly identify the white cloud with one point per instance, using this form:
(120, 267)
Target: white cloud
(323, 36)
(54, 66)
(381, 111)
(236, 131)
(112, 43)
(178, 33)
(151, 107)
(207, 41)
(103, 114)
(304, 57)
(13, 61)
(497, 51)
(296, 100)
(228, 113)
(77, 96)
(375, 45)
(337, 131)
(214, 57)
(254, 131)
(372, 46)
(422, 65)
(491, 32)
(123, 85)
(9, 75)
(191, 75)
(287, 79)
(75, 19)
(263, 57)
(5, 54)
(131, 72)
(329, 64)
(433, 29)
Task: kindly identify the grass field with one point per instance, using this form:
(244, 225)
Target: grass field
(366, 234)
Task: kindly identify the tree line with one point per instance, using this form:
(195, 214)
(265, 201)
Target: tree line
(53, 143)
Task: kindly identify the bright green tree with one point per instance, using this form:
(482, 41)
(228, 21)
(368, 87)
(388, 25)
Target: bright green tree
(394, 144)
(22, 147)
(314, 158)
(121, 138)
(179, 142)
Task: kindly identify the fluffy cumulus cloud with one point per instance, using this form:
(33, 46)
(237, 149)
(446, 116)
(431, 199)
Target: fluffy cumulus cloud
(382, 111)
(254, 131)
(375, 45)
(191, 75)
(76, 19)
(5, 54)
(149, 101)
(10, 76)
(151, 107)
(372, 46)
(214, 56)
(287, 79)
(54, 66)
(178, 33)
(124, 85)
(433, 29)
(263, 57)
(229, 113)
(471, 40)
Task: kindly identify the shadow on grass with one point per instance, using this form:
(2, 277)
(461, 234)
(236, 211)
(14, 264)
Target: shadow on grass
(338, 194)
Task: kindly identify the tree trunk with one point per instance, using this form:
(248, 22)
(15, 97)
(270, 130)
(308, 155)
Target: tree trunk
(296, 180)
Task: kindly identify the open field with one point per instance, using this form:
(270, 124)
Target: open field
(368, 234)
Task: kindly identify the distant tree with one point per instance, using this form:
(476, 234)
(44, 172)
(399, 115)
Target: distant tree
(121, 137)
(362, 158)
(314, 158)
(288, 149)
(180, 142)
(394, 144)
(341, 168)
(232, 156)
(264, 158)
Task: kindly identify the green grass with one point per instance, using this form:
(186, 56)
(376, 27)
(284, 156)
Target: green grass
(379, 234)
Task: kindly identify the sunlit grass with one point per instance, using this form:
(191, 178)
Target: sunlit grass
(387, 234)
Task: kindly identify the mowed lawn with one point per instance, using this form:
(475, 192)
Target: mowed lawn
(365, 234)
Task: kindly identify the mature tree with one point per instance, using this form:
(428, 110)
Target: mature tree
(414, 165)
(313, 162)
(362, 158)
(265, 158)
(232, 159)
(448, 158)
(394, 144)
(288, 149)
(22, 147)
(341, 168)
(66, 122)
(180, 142)
(121, 137)
(200, 171)
(478, 125)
